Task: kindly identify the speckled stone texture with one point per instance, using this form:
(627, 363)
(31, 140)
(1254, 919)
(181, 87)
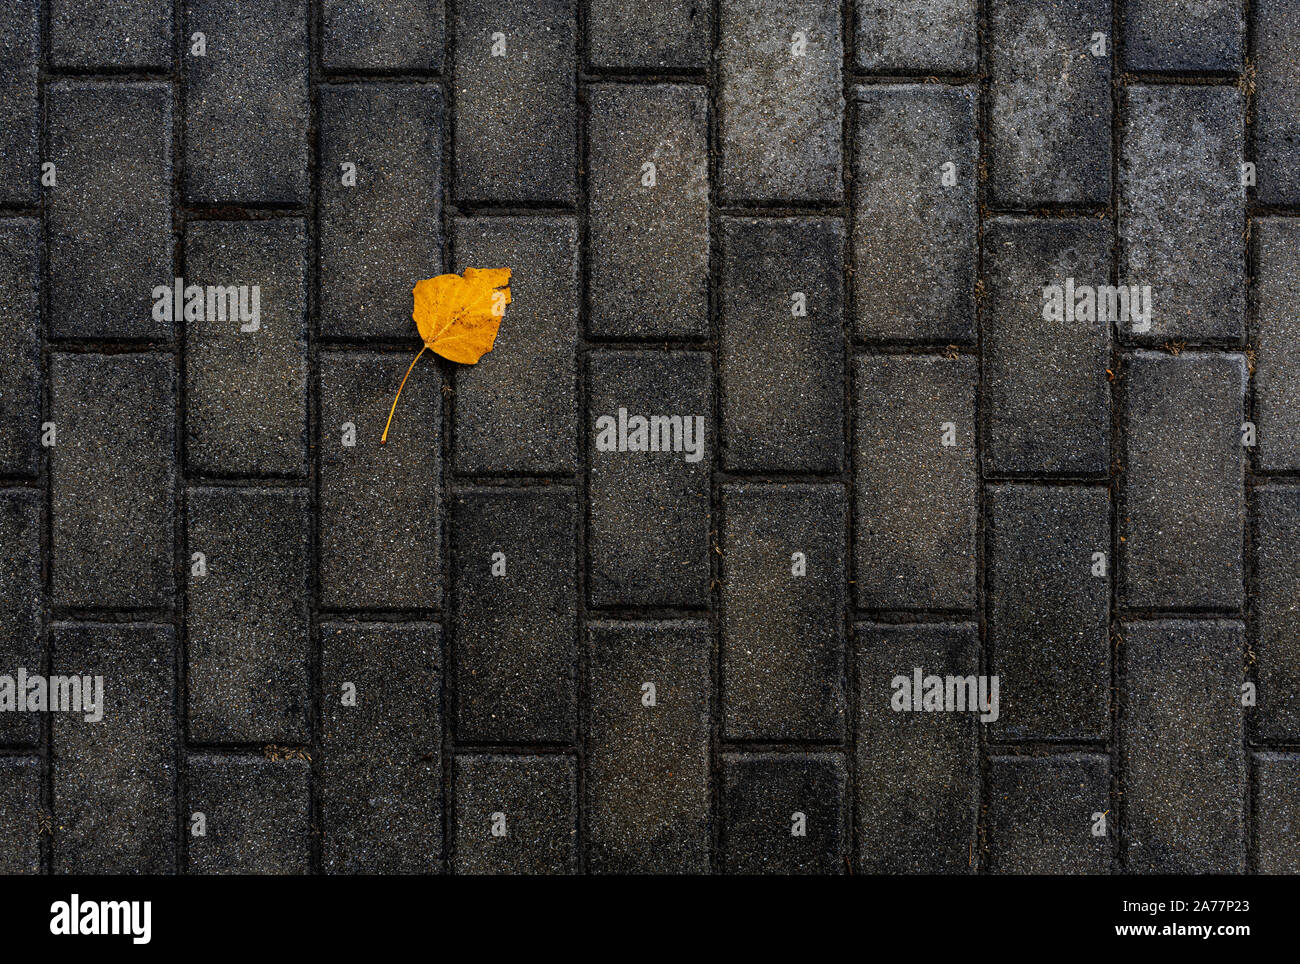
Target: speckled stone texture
(532, 633)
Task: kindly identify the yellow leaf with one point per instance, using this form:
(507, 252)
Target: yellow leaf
(458, 317)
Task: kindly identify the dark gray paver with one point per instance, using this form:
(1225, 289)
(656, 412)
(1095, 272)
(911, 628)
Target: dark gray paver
(916, 497)
(1183, 35)
(1277, 344)
(516, 101)
(256, 814)
(781, 98)
(917, 36)
(1041, 814)
(917, 772)
(380, 512)
(657, 36)
(109, 221)
(914, 240)
(647, 779)
(247, 621)
(516, 615)
(785, 813)
(648, 517)
(1277, 813)
(246, 391)
(783, 596)
(1276, 543)
(111, 480)
(21, 602)
(1277, 100)
(517, 410)
(246, 104)
(359, 35)
(781, 354)
(1042, 70)
(125, 33)
(1182, 503)
(20, 346)
(648, 247)
(115, 780)
(20, 56)
(380, 782)
(382, 235)
(1045, 382)
(1182, 758)
(20, 815)
(1048, 612)
(516, 814)
(1182, 211)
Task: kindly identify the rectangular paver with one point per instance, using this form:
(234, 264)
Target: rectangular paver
(21, 602)
(20, 57)
(1276, 543)
(256, 815)
(653, 37)
(516, 614)
(1184, 767)
(379, 35)
(1183, 35)
(1049, 815)
(1277, 812)
(20, 345)
(647, 211)
(124, 34)
(647, 779)
(1277, 100)
(785, 813)
(783, 597)
(516, 814)
(782, 344)
(20, 815)
(914, 236)
(1277, 349)
(918, 36)
(916, 487)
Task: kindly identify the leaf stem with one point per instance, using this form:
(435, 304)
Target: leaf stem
(384, 438)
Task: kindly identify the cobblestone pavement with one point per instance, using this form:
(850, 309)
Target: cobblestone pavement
(944, 558)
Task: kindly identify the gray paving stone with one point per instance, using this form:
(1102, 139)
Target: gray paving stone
(20, 810)
(1042, 71)
(517, 409)
(781, 356)
(917, 772)
(916, 497)
(1178, 35)
(1182, 503)
(1277, 350)
(115, 807)
(361, 35)
(1041, 814)
(1181, 743)
(21, 604)
(1277, 100)
(647, 779)
(785, 813)
(516, 615)
(111, 480)
(1048, 612)
(1182, 211)
(109, 220)
(1276, 543)
(1277, 813)
(382, 235)
(782, 632)
(126, 33)
(20, 346)
(917, 36)
(380, 511)
(20, 57)
(648, 247)
(380, 781)
(516, 109)
(914, 240)
(249, 642)
(656, 36)
(516, 815)
(648, 513)
(781, 91)
(246, 103)
(257, 815)
(1047, 399)
(246, 391)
